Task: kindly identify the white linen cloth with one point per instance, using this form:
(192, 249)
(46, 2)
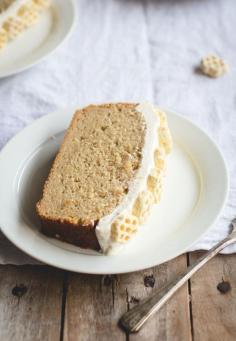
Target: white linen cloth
(136, 50)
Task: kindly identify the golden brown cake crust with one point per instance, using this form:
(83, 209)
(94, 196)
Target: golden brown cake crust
(79, 235)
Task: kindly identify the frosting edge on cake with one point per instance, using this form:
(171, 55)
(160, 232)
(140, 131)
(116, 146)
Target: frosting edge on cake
(128, 215)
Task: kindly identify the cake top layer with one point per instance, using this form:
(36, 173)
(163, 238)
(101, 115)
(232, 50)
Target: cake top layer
(100, 156)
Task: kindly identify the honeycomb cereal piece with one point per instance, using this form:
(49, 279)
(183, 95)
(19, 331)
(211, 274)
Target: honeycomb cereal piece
(159, 159)
(28, 14)
(165, 139)
(3, 38)
(142, 205)
(13, 27)
(213, 66)
(42, 4)
(155, 184)
(162, 115)
(123, 227)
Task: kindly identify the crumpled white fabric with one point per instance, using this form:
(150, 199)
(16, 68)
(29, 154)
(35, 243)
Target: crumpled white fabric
(136, 50)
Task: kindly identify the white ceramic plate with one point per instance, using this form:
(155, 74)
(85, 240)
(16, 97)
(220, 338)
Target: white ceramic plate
(194, 194)
(37, 42)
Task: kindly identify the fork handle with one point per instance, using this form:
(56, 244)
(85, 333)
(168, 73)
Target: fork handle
(134, 319)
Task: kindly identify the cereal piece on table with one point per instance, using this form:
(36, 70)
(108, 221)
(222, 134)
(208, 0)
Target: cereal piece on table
(214, 66)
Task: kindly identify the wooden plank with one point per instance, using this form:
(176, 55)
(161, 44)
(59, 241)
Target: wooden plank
(91, 310)
(213, 291)
(94, 305)
(30, 303)
(172, 322)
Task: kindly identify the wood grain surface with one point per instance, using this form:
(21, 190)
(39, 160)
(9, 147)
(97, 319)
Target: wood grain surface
(30, 303)
(43, 303)
(213, 291)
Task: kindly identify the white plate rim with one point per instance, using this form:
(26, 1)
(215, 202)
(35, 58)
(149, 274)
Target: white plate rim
(29, 65)
(128, 269)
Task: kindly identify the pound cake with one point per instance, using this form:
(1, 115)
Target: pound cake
(18, 15)
(107, 175)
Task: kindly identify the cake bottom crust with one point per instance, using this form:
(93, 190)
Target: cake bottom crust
(79, 235)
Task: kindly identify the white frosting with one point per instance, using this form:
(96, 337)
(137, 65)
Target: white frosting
(139, 183)
(11, 10)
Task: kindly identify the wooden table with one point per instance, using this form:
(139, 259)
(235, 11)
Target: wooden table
(43, 303)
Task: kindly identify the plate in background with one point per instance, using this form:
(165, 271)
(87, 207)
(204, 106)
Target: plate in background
(40, 40)
(195, 191)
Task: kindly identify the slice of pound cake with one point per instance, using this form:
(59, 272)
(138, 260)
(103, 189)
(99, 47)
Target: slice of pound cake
(18, 15)
(107, 175)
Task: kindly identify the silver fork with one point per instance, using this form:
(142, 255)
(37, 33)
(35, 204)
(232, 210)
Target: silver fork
(134, 319)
